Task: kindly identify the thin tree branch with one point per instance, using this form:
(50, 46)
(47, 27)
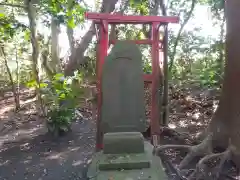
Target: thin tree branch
(113, 34)
(194, 2)
(221, 50)
(163, 8)
(77, 56)
(69, 29)
(154, 7)
(163, 99)
(13, 5)
(14, 91)
(31, 13)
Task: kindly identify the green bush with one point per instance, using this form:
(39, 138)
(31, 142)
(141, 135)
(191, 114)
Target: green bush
(59, 121)
(60, 97)
(204, 71)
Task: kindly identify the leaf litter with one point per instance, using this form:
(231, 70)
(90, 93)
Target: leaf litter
(27, 152)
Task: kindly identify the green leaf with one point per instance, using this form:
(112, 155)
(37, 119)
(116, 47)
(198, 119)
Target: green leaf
(2, 15)
(27, 36)
(43, 85)
(31, 83)
(62, 96)
(71, 23)
(59, 76)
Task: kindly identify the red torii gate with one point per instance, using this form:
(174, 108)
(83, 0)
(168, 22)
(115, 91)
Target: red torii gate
(104, 19)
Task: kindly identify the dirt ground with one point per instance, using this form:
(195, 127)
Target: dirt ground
(28, 152)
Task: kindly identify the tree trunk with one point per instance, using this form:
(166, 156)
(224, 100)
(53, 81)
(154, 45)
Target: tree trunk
(166, 69)
(14, 90)
(225, 124)
(220, 62)
(224, 129)
(77, 55)
(69, 29)
(185, 21)
(17, 78)
(55, 30)
(35, 49)
(163, 99)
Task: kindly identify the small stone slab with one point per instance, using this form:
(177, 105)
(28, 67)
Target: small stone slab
(123, 142)
(154, 172)
(123, 107)
(123, 161)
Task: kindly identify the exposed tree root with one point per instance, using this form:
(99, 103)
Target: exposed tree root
(158, 150)
(226, 156)
(172, 168)
(201, 149)
(177, 135)
(204, 149)
(199, 172)
(169, 132)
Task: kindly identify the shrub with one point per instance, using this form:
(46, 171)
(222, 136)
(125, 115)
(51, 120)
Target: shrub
(60, 97)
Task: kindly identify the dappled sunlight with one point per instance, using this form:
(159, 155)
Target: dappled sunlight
(183, 123)
(19, 135)
(172, 126)
(25, 145)
(191, 111)
(199, 124)
(54, 156)
(62, 45)
(45, 155)
(31, 100)
(27, 162)
(61, 155)
(28, 159)
(7, 104)
(215, 105)
(196, 115)
(5, 163)
(77, 163)
(73, 148)
(5, 109)
(189, 98)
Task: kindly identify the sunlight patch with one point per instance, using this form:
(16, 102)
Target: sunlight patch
(25, 146)
(5, 163)
(172, 126)
(183, 123)
(26, 161)
(215, 105)
(74, 149)
(6, 109)
(54, 156)
(196, 115)
(77, 163)
(17, 135)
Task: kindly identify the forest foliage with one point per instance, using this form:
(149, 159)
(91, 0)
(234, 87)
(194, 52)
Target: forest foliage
(32, 53)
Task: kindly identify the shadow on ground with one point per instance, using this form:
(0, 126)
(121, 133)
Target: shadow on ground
(33, 154)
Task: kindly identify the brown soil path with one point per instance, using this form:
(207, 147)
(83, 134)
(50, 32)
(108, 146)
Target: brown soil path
(28, 152)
